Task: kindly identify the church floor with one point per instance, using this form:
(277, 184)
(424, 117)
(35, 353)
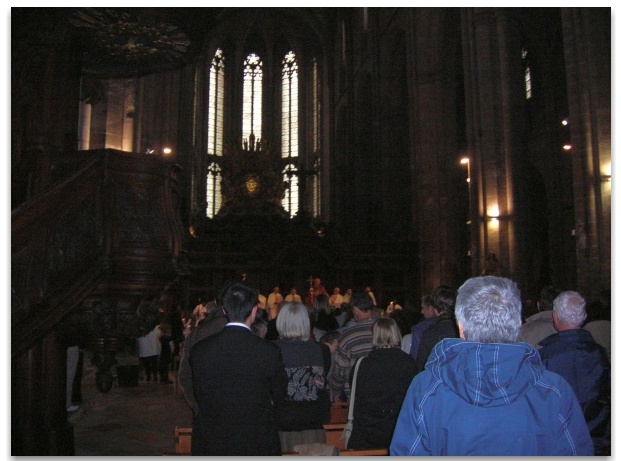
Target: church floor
(127, 421)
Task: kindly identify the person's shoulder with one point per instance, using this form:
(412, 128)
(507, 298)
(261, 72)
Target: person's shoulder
(400, 354)
(354, 330)
(394, 355)
(262, 344)
(200, 339)
(553, 382)
(537, 318)
(425, 384)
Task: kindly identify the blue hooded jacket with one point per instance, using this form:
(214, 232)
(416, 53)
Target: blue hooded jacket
(476, 399)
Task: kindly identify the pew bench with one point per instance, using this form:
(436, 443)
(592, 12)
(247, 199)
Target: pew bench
(183, 443)
(338, 412)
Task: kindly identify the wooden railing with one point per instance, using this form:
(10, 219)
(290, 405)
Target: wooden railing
(57, 254)
(99, 233)
(109, 224)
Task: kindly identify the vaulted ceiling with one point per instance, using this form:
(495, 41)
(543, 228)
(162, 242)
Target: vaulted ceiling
(130, 42)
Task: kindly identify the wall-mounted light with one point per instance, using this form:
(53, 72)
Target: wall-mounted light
(606, 172)
(492, 214)
(567, 147)
(565, 122)
(466, 161)
(166, 150)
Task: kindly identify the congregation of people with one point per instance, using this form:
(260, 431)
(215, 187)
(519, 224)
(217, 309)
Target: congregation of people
(474, 374)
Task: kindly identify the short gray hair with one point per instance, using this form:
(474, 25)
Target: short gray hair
(570, 308)
(293, 321)
(489, 309)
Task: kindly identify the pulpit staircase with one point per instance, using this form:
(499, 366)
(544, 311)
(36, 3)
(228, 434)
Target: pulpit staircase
(101, 237)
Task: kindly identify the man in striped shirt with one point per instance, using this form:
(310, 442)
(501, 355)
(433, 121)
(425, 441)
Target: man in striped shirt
(355, 342)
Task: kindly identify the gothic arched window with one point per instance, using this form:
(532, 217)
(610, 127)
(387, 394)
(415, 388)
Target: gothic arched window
(215, 116)
(214, 193)
(253, 79)
(215, 135)
(527, 79)
(289, 133)
(316, 138)
(290, 201)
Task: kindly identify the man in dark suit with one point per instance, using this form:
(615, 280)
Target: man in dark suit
(238, 379)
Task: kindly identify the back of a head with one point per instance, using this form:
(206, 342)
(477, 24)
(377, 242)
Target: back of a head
(330, 336)
(165, 329)
(321, 303)
(386, 333)
(442, 299)
(403, 320)
(259, 326)
(293, 321)
(570, 308)
(489, 309)
(211, 306)
(262, 316)
(426, 300)
(221, 291)
(362, 301)
(238, 300)
(546, 298)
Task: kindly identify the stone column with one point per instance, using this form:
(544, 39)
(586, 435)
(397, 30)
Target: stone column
(587, 41)
(39, 425)
(494, 104)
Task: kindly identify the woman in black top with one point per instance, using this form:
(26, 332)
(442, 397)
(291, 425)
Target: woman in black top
(383, 379)
(307, 406)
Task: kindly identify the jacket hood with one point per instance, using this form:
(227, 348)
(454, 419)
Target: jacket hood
(485, 375)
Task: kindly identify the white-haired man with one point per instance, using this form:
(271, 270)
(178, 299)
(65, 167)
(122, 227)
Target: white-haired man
(574, 354)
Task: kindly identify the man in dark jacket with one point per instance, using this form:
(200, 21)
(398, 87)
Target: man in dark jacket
(442, 301)
(429, 317)
(239, 381)
(213, 322)
(486, 394)
(574, 354)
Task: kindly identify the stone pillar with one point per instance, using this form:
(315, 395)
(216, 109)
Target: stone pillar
(587, 42)
(39, 425)
(494, 104)
(45, 85)
(434, 165)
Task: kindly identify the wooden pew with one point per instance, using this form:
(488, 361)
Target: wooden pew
(365, 452)
(333, 434)
(338, 412)
(183, 440)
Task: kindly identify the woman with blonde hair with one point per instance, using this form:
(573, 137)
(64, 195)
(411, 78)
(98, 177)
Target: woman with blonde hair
(307, 406)
(383, 379)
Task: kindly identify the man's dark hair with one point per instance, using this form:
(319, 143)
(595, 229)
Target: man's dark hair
(220, 292)
(238, 300)
(362, 301)
(546, 298)
(330, 336)
(442, 299)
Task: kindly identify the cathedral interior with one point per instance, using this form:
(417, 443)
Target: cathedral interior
(157, 153)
